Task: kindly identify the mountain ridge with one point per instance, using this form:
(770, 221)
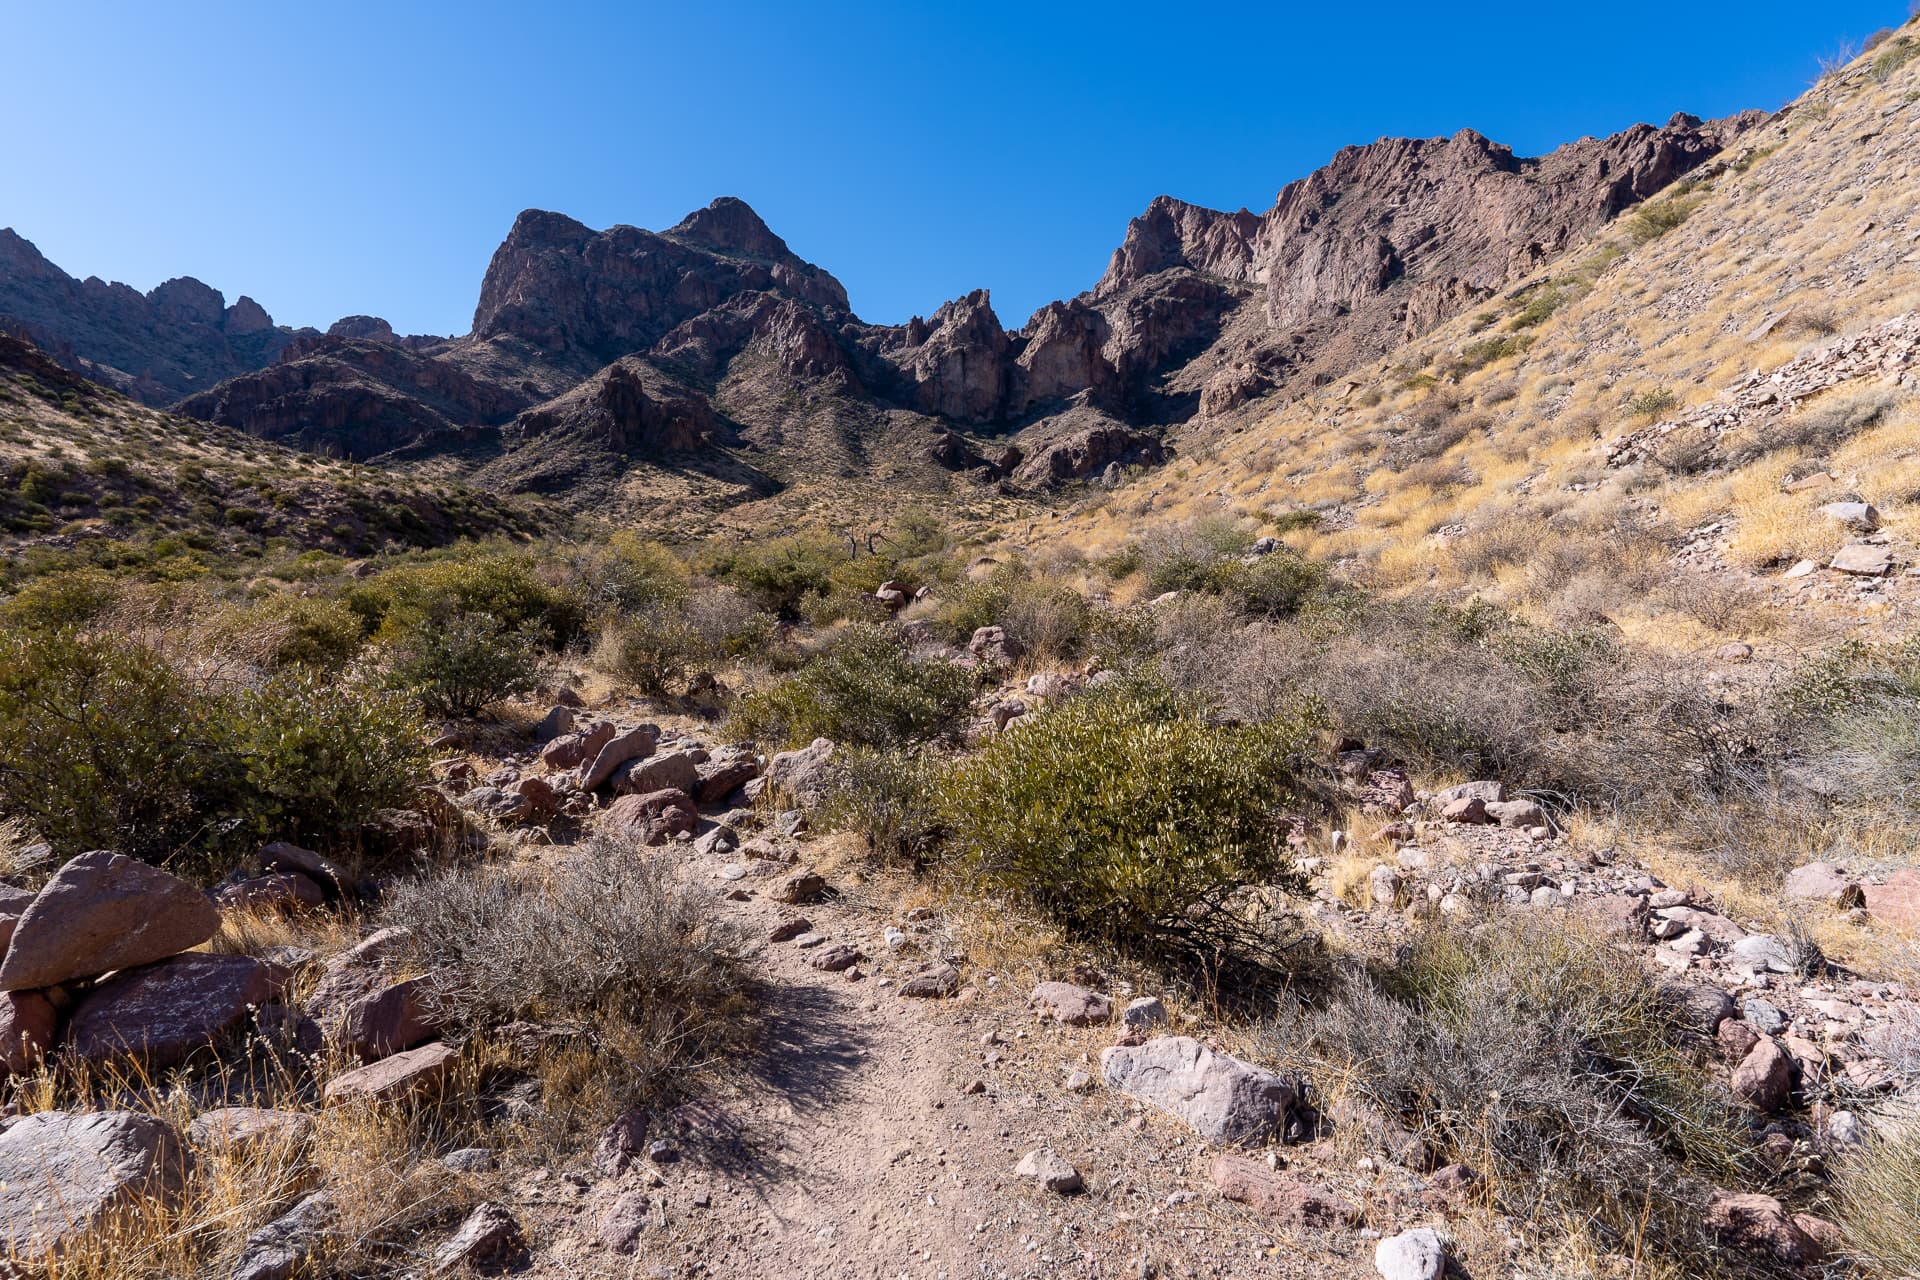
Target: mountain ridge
(1199, 312)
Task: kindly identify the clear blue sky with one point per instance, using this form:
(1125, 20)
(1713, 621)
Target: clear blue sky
(350, 157)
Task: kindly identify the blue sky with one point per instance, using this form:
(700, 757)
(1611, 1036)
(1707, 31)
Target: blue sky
(346, 157)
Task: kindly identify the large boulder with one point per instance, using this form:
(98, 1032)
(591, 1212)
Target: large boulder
(162, 1014)
(399, 1015)
(13, 904)
(1764, 1078)
(635, 744)
(103, 912)
(1898, 900)
(1221, 1097)
(653, 818)
(679, 770)
(281, 1248)
(801, 776)
(1759, 1224)
(282, 858)
(573, 749)
(62, 1172)
(1822, 882)
(1074, 1006)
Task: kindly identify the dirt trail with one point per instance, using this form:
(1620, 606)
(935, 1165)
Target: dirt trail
(846, 1147)
(875, 1136)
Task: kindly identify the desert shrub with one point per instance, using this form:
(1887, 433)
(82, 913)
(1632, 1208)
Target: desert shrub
(729, 624)
(778, 573)
(1181, 557)
(866, 689)
(504, 586)
(1657, 217)
(285, 630)
(1524, 1049)
(105, 744)
(1652, 402)
(1879, 1198)
(1854, 713)
(607, 938)
(654, 653)
(886, 799)
(316, 755)
(1051, 620)
(1277, 585)
(1822, 426)
(627, 574)
(1126, 815)
(459, 664)
(75, 597)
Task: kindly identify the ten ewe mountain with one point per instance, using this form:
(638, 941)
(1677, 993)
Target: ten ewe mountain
(713, 339)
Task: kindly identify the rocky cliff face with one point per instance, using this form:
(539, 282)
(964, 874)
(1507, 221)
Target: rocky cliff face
(644, 342)
(177, 339)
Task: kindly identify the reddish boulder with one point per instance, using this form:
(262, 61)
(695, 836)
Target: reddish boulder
(1760, 1224)
(636, 743)
(1764, 1078)
(412, 1074)
(1285, 1196)
(1070, 1005)
(1896, 902)
(574, 749)
(280, 891)
(62, 1172)
(678, 770)
(653, 818)
(398, 1016)
(13, 904)
(27, 1025)
(334, 880)
(102, 912)
(163, 1014)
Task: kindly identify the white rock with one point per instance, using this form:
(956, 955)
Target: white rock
(1419, 1254)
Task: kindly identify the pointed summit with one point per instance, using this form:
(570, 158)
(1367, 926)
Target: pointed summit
(729, 225)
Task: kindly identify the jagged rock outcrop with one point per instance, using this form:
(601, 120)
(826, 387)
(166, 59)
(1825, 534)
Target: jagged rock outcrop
(1065, 354)
(628, 407)
(566, 289)
(357, 397)
(176, 339)
(959, 369)
(1173, 233)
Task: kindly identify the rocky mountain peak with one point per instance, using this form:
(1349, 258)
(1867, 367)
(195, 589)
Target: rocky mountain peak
(1173, 233)
(729, 225)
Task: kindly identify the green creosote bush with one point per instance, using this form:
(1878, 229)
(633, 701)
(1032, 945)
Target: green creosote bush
(886, 798)
(503, 585)
(778, 573)
(105, 744)
(865, 689)
(1652, 403)
(460, 664)
(1126, 815)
